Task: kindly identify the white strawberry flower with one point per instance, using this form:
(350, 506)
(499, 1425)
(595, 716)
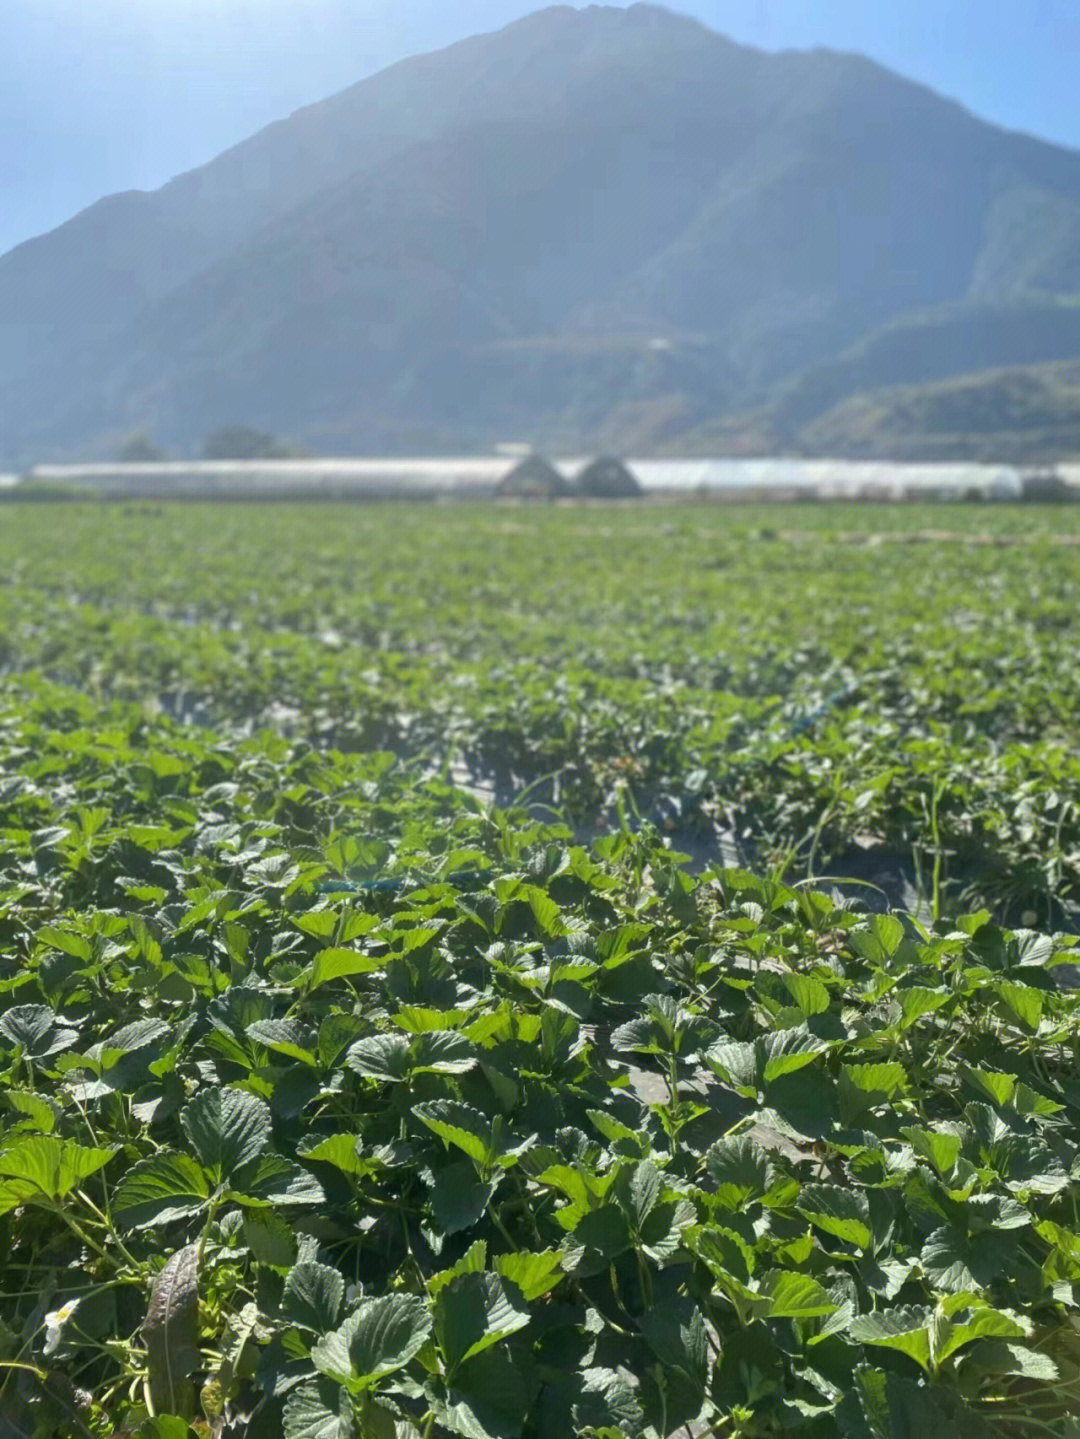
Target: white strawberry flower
(54, 1324)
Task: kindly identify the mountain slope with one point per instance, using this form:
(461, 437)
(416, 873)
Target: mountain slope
(591, 222)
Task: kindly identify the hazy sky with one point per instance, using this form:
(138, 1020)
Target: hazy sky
(104, 95)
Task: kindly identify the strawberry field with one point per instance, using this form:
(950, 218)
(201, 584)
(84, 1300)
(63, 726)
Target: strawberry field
(530, 973)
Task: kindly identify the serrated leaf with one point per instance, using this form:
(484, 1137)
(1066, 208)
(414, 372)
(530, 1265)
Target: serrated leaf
(160, 1190)
(976, 1323)
(906, 1330)
(937, 1145)
(736, 1063)
(53, 1166)
(534, 1274)
(444, 1052)
(998, 1356)
(843, 1213)
(740, 1169)
(1023, 1002)
(794, 1296)
(340, 1150)
(917, 1001)
(273, 1179)
(788, 1050)
(997, 1087)
(379, 1337)
(545, 911)
(41, 1114)
(313, 1297)
(318, 1411)
(458, 1125)
(459, 1196)
(807, 992)
(34, 1029)
(473, 1261)
(286, 1036)
(271, 1239)
(131, 1038)
(228, 1128)
(473, 1312)
(385, 1057)
(645, 1186)
(334, 964)
(957, 1264)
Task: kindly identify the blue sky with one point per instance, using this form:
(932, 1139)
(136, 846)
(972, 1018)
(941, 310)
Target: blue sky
(104, 95)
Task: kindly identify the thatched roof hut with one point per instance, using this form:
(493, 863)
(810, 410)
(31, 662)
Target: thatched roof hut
(607, 479)
(534, 478)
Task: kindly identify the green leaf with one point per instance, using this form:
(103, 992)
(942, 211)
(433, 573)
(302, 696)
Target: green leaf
(228, 1128)
(972, 1324)
(937, 1145)
(130, 1039)
(808, 993)
(459, 1125)
(313, 1297)
(285, 1036)
(534, 1274)
(1023, 1002)
(676, 1332)
(645, 1186)
(597, 1238)
(272, 1179)
(444, 1052)
(164, 1426)
(998, 1356)
(459, 1196)
(41, 1114)
(898, 1408)
(1029, 1101)
(906, 1330)
(788, 1050)
(794, 1296)
(334, 964)
(545, 911)
(340, 1150)
(740, 1169)
(877, 1081)
(318, 1411)
(880, 939)
(472, 1313)
(473, 1261)
(997, 1087)
(958, 1263)
(160, 1190)
(385, 1057)
(53, 1166)
(736, 1063)
(843, 1213)
(491, 1397)
(271, 1239)
(379, 1337)
(34, 1029)
(916, 1002)
(725, 1254)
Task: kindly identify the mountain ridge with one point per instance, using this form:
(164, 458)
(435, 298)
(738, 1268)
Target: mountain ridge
(646, 217)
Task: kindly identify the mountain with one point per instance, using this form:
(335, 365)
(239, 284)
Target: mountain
(594, 227)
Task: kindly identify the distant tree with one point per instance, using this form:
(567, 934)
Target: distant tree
(241, 442)
(140, 450)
